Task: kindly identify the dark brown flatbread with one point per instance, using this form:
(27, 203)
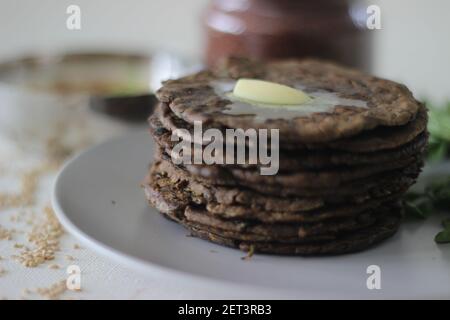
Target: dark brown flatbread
(202, 192)
(193, 98)
(175, 204)
(278, 231)
(295, 199)
(380, 138)
(299, 179)
(323, 212)
(378, 182)
(293, 160)
(342, 172)
(282, 241)
(385, 227)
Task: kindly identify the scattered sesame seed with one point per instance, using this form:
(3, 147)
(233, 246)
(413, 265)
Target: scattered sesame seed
(5, 234)
(53, 292)
(26, 196)
(45, 233)
(45, 238)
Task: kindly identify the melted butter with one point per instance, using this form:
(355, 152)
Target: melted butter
(322, 101)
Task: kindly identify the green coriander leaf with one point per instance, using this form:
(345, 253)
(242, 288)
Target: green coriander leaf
(420, 210)
(439, 123)
(437, 150)
(439, 192)
(443, 237)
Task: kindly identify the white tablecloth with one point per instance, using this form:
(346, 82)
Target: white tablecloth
(25, 130)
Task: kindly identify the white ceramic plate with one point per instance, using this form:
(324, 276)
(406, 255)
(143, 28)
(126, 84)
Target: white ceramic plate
(98, 198)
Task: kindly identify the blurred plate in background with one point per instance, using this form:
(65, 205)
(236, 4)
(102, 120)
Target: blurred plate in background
(44, 96)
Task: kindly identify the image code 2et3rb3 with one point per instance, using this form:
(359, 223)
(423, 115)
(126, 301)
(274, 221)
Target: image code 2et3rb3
(232, 309)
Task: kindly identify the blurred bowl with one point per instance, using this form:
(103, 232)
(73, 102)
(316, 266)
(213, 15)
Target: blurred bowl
(39, 93)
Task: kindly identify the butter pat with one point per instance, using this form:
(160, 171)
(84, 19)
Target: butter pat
(269, 92)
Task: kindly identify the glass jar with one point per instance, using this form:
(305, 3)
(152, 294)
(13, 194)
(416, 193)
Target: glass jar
(270, 29)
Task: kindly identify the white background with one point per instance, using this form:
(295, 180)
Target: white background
(413, 46)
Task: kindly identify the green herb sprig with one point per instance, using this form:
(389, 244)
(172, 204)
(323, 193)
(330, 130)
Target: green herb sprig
(439, 129)
(436, 196)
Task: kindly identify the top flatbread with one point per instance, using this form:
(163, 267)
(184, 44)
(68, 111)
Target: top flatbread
(194, 98)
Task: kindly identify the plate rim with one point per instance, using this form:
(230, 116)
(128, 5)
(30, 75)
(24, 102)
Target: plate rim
(154, 269)
(145, 267)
